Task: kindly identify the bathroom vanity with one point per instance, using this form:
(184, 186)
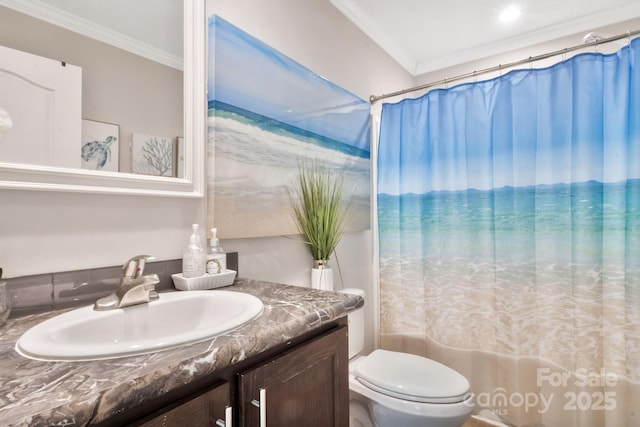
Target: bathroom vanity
(288, 364)
(306, 385)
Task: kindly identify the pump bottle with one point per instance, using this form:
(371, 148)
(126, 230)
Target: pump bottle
(193, 256)
(216, 256)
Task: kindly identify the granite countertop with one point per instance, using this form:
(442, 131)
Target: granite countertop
(36, 393)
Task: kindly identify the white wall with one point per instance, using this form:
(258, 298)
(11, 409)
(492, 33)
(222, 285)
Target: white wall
(44, 232)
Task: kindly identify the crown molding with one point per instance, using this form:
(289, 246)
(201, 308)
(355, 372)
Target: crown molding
(359, 18)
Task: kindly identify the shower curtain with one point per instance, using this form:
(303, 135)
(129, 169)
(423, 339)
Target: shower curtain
(509, 238)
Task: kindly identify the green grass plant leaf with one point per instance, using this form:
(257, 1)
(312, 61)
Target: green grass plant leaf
(317, 204)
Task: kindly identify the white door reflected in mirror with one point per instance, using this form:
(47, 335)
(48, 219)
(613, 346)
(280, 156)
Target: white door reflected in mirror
(45, 100)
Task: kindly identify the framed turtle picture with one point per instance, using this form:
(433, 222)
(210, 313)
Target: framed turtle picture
(100, 143)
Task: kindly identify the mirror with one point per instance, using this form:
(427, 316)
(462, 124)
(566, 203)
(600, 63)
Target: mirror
(19, 175)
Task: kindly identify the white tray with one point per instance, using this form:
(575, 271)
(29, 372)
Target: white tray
(208, 281)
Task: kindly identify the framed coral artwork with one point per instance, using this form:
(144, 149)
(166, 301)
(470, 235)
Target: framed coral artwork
(152, 155)
(99, 146)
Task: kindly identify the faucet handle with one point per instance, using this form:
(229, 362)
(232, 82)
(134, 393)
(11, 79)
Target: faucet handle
(135, 266)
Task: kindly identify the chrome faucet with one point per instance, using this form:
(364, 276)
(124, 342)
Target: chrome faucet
(134, 288)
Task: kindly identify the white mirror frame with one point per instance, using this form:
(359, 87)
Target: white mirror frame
(33, 177)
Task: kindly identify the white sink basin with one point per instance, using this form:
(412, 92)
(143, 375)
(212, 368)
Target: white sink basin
(177, 318)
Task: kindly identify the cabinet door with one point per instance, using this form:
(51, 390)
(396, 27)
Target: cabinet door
(306, 386)
(202, 411)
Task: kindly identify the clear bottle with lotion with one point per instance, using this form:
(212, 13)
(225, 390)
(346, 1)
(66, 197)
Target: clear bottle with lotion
(216, 256)
(193, 256)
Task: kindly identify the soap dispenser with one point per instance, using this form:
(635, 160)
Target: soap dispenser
(193, 257)
(216, 256)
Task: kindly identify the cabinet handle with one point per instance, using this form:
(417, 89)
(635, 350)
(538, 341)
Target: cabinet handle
(262, 404)
(228, 418)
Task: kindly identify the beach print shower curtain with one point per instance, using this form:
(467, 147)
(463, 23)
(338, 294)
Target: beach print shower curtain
(509, 226)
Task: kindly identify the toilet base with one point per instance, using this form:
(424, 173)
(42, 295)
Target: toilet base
(383, 417)
(359, 411)
(371, 409)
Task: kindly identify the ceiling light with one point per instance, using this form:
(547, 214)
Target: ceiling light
(509, 14)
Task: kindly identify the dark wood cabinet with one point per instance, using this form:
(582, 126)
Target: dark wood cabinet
(209, 409)
(304, 385)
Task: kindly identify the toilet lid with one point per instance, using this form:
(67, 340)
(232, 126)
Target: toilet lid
(411, 377)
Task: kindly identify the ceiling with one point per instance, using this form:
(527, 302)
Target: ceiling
(427, 35)
(421, 35)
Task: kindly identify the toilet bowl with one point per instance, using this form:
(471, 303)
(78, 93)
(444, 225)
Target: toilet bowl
(401, 389)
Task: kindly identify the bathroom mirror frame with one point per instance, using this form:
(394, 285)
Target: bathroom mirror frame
(44, 178)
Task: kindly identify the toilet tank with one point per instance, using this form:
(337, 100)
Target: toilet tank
(356, 325)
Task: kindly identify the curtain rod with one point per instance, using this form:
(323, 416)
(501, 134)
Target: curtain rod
(374, 98)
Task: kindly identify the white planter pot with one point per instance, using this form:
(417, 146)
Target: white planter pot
(322, 277)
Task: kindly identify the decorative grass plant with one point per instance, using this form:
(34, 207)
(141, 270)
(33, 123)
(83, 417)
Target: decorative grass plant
(317, 202)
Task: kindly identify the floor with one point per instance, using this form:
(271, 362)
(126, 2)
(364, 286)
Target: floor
(472, 422)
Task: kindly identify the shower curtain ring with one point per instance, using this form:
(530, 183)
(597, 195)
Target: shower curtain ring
(628, 37)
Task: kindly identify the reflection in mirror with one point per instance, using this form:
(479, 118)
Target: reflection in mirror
(5, 122)
(130, 117)
(44, 100)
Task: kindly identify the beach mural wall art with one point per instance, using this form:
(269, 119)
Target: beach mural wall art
(267, 113)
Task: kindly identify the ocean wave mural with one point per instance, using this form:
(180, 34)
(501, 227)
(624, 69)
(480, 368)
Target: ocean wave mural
(509, 225)
(267, 113)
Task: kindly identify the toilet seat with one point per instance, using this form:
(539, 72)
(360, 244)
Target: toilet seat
(410, 377)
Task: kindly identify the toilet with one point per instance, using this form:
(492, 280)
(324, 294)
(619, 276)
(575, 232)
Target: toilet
(388, 388)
